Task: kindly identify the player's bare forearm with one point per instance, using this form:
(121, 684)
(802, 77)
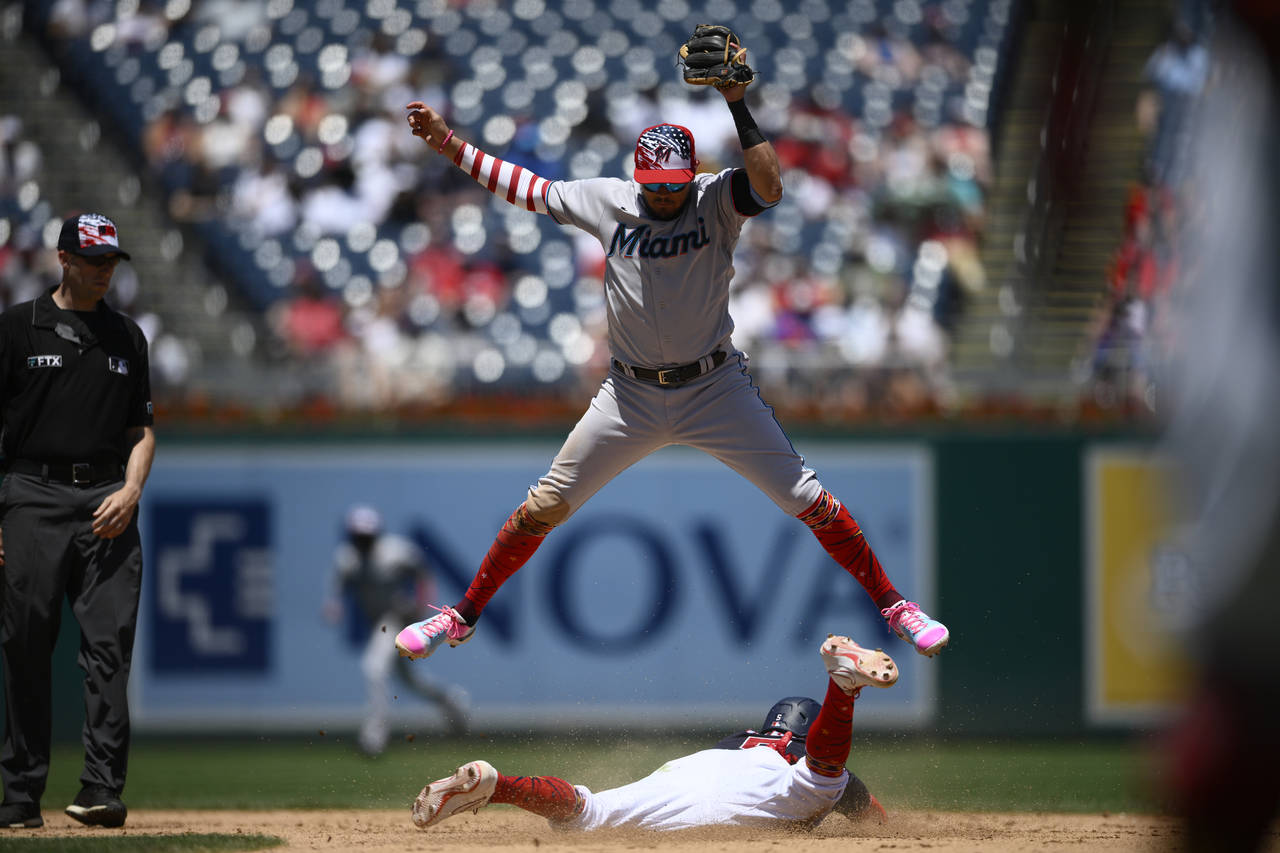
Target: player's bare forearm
(763, 171)
(506, 180)
(761, 161)
(429, 126)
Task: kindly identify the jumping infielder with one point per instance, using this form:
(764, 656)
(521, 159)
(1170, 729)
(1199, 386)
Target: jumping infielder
(676, 376)
(792, 770)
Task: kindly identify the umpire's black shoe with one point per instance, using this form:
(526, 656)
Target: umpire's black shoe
(20, 816)
(98, 805)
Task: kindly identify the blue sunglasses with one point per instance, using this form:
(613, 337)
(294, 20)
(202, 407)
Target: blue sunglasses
(671, 188)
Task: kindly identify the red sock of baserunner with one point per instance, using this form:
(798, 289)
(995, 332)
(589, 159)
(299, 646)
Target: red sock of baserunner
(547, 796)
(841, 536)
(831, 736)
(515, 543)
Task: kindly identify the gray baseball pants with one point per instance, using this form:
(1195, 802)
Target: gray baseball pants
(720, 413)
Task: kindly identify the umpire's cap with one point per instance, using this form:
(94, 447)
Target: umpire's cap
(90, 235)
(793, 714)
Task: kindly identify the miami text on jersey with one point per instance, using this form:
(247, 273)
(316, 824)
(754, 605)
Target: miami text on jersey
(637, 242)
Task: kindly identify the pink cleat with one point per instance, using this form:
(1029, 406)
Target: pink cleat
(468, 789)
(420, 639)
(853, 667)
(912, 624)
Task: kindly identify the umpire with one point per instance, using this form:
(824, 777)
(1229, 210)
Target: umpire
(75, 398)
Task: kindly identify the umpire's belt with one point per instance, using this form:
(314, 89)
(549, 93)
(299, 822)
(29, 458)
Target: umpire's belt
(674, 375)
(71, 473)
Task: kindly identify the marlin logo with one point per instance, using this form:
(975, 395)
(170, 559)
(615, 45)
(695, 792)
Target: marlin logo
(636, 241)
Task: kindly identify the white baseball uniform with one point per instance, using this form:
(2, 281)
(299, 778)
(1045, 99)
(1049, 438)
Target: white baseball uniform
(666, 287)
(721, 787)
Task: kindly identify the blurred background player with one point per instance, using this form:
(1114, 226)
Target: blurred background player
(381, 579)
(677, 377)
(791, 771)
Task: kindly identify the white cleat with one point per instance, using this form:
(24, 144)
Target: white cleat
(852, 667)
(468, 789)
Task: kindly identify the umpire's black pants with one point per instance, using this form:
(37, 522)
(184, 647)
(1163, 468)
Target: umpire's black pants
(50, 551)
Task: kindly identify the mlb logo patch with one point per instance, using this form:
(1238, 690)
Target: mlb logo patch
(35, 361)
(118, 365)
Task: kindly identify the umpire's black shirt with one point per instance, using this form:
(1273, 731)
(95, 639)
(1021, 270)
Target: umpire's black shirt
(71, 382)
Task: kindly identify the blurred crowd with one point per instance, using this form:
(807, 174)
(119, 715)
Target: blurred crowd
(29, 227)
(277, 130)
(24, 265)
(29, 265)
(1134, 340)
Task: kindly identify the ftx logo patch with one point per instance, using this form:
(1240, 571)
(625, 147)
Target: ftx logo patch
(118, 365)
(35, 361)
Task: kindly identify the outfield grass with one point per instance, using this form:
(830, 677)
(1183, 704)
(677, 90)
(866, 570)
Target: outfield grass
(328, 772)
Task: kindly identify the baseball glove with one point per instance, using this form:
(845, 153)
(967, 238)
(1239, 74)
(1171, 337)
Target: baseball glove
(713, 57)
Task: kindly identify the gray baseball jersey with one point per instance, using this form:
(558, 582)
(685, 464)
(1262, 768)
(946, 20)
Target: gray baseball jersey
(667, 289)
(666, 281)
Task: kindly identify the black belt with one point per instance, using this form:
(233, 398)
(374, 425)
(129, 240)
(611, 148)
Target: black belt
(675, 375)
(71, 473)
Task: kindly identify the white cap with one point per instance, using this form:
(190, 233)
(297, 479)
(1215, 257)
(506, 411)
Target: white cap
(364, 520)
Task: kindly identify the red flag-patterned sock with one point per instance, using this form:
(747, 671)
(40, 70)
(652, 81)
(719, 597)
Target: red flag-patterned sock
(511, 549)
(831, 736)
(548, 796)
(835, 528)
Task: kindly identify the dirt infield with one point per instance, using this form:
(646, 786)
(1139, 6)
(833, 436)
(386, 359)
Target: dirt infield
(507, 829)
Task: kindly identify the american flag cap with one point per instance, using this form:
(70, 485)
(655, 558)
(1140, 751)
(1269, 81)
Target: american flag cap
(665, 154)
(90, 235)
